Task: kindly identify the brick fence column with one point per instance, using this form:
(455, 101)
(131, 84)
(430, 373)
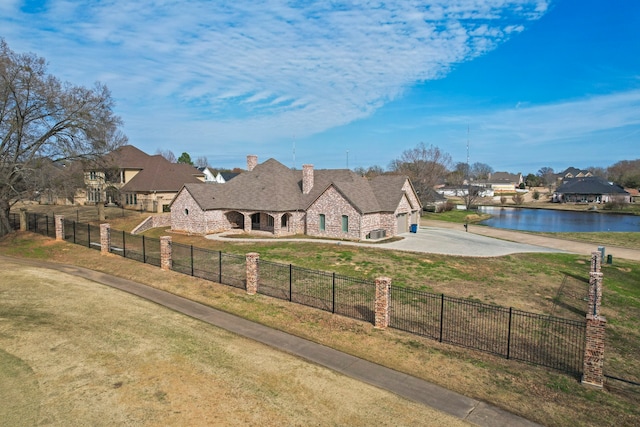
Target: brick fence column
(165, 253)
(383, 302)
(24, 219)
(596, 261)
(59, 221)
(252, 272)
(594, 352)
(105, 238)
(595, 293)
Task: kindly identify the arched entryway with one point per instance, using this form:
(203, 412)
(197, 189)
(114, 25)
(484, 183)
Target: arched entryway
(236, 219)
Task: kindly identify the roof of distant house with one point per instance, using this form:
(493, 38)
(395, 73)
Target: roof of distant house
(155, 172)
(589, 185)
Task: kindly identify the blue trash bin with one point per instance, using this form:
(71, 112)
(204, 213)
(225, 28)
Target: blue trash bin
(414, 228)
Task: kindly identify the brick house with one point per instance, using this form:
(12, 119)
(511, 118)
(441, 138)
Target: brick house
(133, 179)
(270, 197)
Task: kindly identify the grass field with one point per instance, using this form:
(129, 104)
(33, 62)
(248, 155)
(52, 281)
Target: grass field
(76, 353)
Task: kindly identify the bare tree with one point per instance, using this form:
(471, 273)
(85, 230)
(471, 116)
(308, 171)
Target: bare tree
(201, 162)
(424, 166)
(45, 122)
(369, 172)
(625, 173)
(480, 171)
(167, 154)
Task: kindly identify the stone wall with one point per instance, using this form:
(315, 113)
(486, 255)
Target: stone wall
(333, 206)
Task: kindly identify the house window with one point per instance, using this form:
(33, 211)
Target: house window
(186, 211)
(345, 224)
(322, 223)
(269, 221)
(92, 175)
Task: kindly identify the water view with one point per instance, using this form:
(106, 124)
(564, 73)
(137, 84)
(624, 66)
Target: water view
(558, 221)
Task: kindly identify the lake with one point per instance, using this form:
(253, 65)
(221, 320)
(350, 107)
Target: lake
(557, 221)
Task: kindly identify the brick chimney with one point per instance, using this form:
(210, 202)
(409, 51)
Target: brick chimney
(307, 178)
(252, 161)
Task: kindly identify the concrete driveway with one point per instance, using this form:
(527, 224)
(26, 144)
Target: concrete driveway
(436, 240)
(458, 242)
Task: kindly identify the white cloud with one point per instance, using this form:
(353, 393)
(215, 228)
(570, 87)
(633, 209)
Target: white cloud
(263, 66)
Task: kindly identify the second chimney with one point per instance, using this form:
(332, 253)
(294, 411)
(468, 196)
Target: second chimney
(307, 178)
(252, 161)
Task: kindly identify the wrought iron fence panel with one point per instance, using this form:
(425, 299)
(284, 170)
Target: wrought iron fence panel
(14, 221)
(274, 279)
(548, 341)
(134, 247)
(41, 223)
(181, 260)
(475, 325)
(312, 288)
(118, 242)
(152, 251)
(354, 297)
(69, 230)
(415, 311)
(206, 264)
(233, 270)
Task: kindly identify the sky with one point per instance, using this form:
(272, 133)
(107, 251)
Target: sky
(516, 84)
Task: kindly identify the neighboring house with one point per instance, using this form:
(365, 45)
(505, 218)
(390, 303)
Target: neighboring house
(463, 190)
(209, 175)
(433, 201)
(634, 194)
(503, 182)
(223, 177)
(133, 179)
(217, 177)
(591, 189)
(270, 197)
(572, 172)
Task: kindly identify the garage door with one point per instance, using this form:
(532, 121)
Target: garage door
(402, 223)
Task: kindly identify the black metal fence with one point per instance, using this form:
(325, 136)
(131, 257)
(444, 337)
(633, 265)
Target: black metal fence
(534, 338)
(37, 223)
(211, 265)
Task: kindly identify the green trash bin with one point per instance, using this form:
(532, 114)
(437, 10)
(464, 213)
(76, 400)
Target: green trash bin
(609, 259)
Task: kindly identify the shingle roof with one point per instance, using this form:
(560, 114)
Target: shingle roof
(271, 186)
(155, 172)
(589, 185)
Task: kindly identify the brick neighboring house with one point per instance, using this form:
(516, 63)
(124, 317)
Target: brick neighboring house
(503, 182)
(133, 179)
(571, 172)
(335, 203)
(590, 189)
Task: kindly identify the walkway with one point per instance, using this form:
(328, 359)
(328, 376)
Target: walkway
(411, 388)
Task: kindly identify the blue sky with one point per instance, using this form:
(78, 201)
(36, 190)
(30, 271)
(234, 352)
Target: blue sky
(528, 83)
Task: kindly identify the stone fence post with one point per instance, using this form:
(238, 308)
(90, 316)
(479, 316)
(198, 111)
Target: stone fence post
(593, 364)
(165, 253)
(24, 219)
(594, 352)
(252, 272)
(383, 302)
(59, 222)
(105, 239)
